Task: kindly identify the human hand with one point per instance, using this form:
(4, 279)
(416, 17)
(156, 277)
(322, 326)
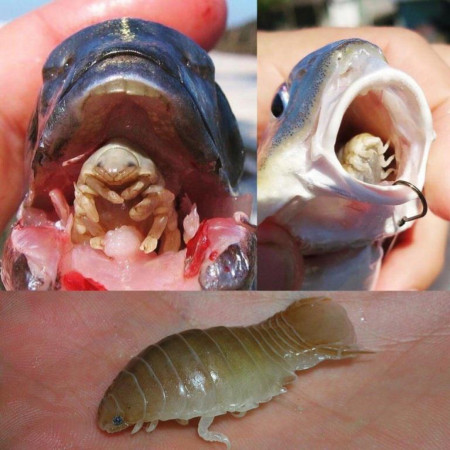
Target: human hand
(418, 256)
(26, 42)
(59, 355)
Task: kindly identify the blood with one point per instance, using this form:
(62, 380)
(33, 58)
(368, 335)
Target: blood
(74, 281)
(196, 250)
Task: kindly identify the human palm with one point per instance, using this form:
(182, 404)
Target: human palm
(60, 355)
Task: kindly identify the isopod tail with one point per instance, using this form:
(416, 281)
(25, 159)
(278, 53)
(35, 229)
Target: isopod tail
(314, 329)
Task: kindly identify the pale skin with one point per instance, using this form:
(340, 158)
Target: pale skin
(53, 381)
(418, 256)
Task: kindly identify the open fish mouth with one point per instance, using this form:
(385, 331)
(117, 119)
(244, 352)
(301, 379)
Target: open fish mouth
(374, 124)
(136, 159)
(343, 161)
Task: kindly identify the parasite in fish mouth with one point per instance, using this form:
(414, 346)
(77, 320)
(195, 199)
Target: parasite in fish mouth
(133, 152)
(121, 175)
(346, 129)
(208, 373)
(364, 158)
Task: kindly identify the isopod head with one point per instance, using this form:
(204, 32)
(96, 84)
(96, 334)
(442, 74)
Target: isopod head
(119, 407)
(110, 416)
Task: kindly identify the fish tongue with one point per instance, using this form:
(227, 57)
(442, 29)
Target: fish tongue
(123, 243)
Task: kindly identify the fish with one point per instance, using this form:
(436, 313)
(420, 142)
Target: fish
(133, 161)
(340, 167)
(208, 373)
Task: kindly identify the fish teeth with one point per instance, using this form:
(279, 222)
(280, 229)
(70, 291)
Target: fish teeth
(122, 86)
(134, 88)
(116, 86)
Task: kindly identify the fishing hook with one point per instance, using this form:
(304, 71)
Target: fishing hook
(419, 193)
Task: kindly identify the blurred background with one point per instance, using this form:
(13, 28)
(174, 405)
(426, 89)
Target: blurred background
(430, 18)
(235, 54)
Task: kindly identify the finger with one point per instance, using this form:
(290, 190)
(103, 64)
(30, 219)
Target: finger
(418, 257)
(443, 50)
(404, 50)
(26, 42)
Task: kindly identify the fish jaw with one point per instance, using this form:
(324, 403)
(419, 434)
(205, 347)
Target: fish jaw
(40, 256)
(350, 269)
(303, 187)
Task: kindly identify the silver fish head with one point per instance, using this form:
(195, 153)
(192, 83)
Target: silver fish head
(333, 95)
(346, 126)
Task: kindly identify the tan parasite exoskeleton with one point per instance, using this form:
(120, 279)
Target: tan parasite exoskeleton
(132, 185)
(363, 156)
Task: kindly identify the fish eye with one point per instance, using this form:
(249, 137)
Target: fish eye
(117, 420)
(280, 101)
(68, 62)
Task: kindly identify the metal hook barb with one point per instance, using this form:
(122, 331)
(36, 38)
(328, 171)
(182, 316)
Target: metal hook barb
(419, 193)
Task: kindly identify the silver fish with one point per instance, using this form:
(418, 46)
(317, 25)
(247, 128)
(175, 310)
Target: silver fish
(346, 128)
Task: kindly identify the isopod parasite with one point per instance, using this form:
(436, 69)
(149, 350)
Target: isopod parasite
(211, 372)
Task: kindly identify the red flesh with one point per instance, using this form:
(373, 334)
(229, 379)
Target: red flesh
(196, 250)
(74, 281)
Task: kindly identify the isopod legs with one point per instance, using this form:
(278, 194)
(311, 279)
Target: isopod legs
(137, 426)
(214, 436)
(151, 426)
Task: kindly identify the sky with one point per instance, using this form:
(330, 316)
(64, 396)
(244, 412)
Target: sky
(239, 11)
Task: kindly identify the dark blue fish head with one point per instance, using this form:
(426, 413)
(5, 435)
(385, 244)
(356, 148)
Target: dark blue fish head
(139, 81)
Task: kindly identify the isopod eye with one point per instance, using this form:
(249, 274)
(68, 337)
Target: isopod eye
(117, 420)
(280, 101)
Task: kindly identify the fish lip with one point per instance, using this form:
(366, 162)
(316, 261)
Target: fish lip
(357, 189)
(79, 73)
(241, 257)
(87, 69)
(175, 56)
